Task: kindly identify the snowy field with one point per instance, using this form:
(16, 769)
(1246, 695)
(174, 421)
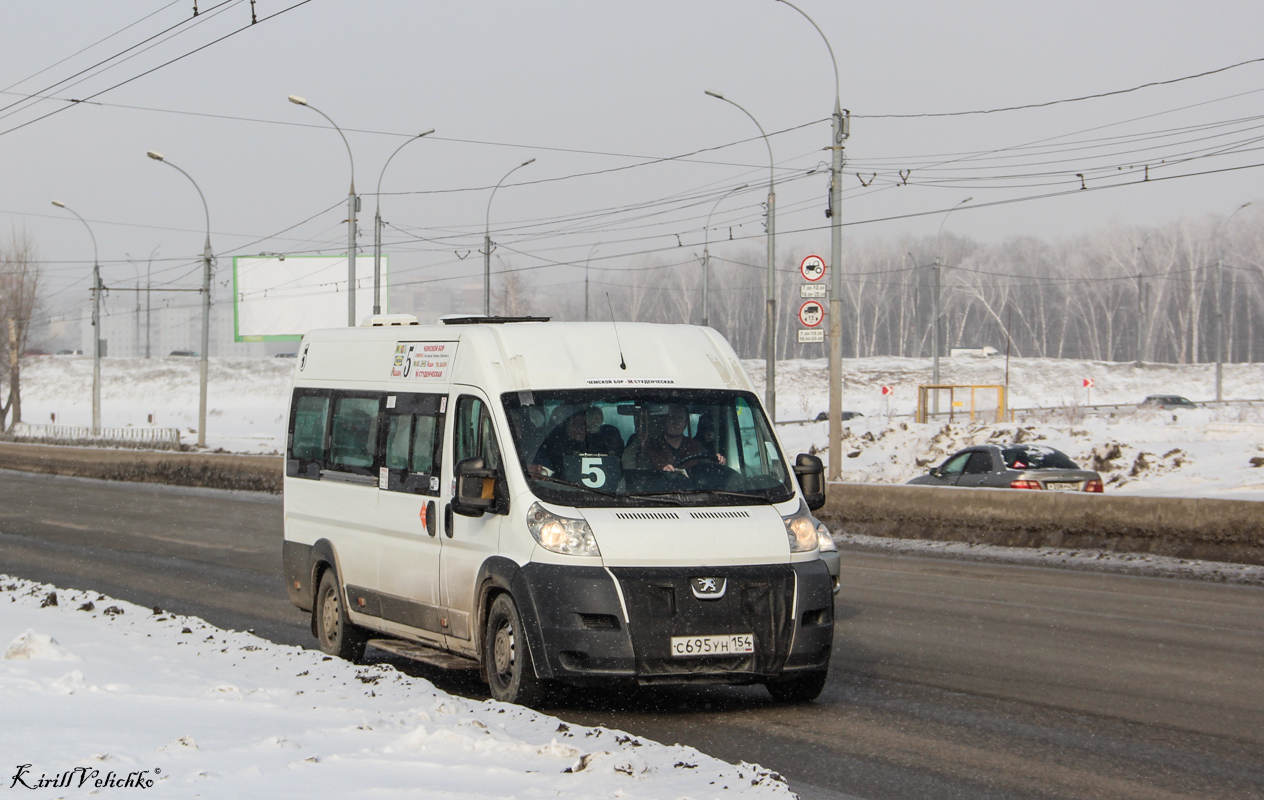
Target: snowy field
(96, 689)
(1204, 452)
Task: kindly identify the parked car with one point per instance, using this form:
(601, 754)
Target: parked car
(1166, 401)
(183, 353)
(1012, 466)
(287, 355)
(842, 415)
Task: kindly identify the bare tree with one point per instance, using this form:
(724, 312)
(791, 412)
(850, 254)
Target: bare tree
(20, 275)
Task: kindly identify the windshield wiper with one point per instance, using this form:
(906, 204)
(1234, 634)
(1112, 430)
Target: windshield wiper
(745, 496)
(576, 484)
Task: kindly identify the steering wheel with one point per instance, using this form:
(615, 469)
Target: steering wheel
(697, 458)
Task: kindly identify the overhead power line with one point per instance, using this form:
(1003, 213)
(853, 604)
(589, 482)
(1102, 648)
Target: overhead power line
(1065, 100)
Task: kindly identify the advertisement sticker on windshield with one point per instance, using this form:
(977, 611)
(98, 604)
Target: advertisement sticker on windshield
(423, 361)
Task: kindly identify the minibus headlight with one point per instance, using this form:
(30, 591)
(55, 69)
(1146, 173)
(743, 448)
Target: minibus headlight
(801, 530)
(823, 538)
(558, 534)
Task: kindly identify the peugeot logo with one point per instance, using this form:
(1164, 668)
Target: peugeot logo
(708, 588)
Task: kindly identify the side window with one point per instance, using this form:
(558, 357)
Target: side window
(980, 463)
(955, 465)
(475, 435)
(412, 443)
(353, 438)
(309, 425)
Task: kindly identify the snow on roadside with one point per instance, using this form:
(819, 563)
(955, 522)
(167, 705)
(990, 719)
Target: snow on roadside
(104, 690)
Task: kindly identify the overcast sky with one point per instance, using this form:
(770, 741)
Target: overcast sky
(608, 97)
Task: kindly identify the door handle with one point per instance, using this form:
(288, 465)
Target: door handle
(447, 520)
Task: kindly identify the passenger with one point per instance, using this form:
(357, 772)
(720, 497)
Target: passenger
(670, 449)
(568, 437)
(602, 438)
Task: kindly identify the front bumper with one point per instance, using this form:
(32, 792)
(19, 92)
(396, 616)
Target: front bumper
(578, 631)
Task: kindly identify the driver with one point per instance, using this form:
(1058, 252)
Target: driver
(671, 449)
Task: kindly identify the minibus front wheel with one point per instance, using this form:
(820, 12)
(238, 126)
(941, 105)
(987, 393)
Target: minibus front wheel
(506, 657)
(336, 634)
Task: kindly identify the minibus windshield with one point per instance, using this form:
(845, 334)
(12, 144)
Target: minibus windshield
(647, 447)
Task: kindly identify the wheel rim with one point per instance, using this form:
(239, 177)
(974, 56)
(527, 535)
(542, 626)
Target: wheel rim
(329, 616)
(503, 652)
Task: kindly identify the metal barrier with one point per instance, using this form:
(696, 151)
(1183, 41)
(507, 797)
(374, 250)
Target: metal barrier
(1103, 409)
(134, 438)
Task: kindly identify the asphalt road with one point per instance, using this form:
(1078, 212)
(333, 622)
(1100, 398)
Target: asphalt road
(950, 679)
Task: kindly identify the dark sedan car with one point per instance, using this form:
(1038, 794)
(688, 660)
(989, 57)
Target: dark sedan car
(1012, 466)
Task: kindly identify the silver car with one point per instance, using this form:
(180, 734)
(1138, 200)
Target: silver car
(1012, 466)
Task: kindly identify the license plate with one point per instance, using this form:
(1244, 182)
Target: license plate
(1063, 486)
(731, 644)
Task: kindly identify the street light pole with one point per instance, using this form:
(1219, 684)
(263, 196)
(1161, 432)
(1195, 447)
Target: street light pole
(377, 227)
(96, 323)
(935, 323)
(206, 302)
(487, 242)
(706, 257)
(591, 250)
(839, 133)
(353, 205)
(770, 329)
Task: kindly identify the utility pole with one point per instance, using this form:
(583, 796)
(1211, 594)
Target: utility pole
(1219, 330)
(934, 338)
(1140, 319)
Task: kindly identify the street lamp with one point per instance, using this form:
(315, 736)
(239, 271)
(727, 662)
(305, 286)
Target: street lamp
(377, 228)
(487, 242)
(770, 331)
(591, 250)
(706, 254)
(353, 205)
(1219, 302)
(96, 323)
(839, 134)
(937, 267)
(206, 301)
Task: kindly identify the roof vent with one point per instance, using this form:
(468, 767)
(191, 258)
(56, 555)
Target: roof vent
(388, 321)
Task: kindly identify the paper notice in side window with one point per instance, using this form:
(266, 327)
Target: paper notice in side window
(383, 476)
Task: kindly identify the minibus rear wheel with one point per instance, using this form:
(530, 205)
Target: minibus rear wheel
(336, 635)
(799, 689)
(506, 657)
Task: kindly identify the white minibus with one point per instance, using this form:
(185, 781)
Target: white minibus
(552, 502)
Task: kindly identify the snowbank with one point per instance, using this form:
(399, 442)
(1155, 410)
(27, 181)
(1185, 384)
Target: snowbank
(96, 689)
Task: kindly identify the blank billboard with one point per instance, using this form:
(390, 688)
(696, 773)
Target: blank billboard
(278, 298)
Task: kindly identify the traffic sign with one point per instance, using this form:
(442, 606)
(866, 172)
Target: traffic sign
(816, 290)
(810, 335)
(812, 268)
(1088, 383)
(811, 313)
(887, 390)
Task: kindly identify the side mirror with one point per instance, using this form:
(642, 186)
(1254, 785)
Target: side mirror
(475, 488)
(934, 472)
(810, 472)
